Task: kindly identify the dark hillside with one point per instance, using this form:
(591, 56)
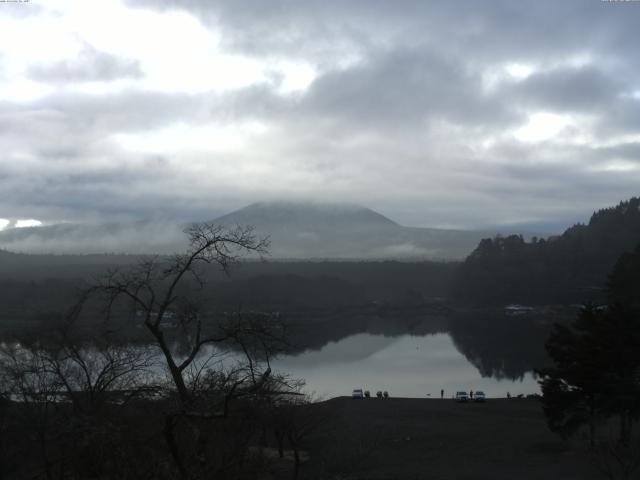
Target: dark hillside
(570, 268)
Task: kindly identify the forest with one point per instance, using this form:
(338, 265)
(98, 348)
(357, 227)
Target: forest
(565, 269)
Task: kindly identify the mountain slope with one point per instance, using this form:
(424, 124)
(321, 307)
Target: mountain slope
(312, 230)
(306, 216)
(572, 267)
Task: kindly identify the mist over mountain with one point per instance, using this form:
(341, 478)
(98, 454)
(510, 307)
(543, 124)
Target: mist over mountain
(297, 231)
(344, 231)
(299, 216)
(161, 236)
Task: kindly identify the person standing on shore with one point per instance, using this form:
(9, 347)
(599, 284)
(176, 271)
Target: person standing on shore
(441, 393)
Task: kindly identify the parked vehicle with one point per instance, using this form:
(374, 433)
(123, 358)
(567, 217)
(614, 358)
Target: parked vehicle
(379, 394)
(462, 397)
(367, 394)
(479, 396)
(357, 393)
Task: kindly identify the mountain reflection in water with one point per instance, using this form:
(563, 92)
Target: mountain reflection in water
(417, 355)
(405, 365)
(418, 352)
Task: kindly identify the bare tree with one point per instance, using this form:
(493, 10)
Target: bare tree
(292, 420)
(26, 378)
(218, 384)
(153, 288)
(165, 295)
(65, 391)
(614, 459)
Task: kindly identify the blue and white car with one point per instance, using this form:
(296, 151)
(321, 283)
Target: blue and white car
(479, 396)
(357, 393)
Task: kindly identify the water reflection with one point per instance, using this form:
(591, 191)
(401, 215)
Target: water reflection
(405, 365)
(410, 351)
(453, 349)
(501, 346)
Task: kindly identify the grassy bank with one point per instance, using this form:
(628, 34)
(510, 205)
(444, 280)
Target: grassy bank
(440, 439)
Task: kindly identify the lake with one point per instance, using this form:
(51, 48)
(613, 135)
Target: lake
(408, 356)
(404, 365)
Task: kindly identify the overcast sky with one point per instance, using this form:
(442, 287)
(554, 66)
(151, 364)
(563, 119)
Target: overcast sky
(434, 113)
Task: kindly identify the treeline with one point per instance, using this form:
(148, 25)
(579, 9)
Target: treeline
(378, 277)
(46, 288)
(283, 285)
(570, 268)
(35, 267)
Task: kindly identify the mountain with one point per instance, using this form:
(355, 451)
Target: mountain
(306, 216)
(313, 230)
(343, 231)
(296, 230)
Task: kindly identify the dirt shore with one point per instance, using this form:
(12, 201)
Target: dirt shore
(402, 438)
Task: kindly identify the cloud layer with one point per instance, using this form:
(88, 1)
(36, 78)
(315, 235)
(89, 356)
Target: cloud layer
(459, 113)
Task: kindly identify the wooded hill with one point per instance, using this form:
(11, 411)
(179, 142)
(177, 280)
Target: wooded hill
(572, 267)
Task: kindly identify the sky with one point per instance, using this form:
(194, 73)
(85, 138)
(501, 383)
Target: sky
(460, 114)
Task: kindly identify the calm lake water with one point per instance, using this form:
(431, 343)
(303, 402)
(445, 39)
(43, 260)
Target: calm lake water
(405, 366)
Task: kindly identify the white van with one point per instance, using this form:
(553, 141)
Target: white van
(462, 397)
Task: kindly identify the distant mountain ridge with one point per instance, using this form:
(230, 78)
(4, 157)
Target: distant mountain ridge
(297, 230)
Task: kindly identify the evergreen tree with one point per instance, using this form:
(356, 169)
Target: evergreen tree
(596, 372)
(624, 281)
(573, 391)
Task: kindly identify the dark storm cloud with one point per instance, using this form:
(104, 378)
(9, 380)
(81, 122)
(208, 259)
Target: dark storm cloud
(572, 89)
(130, 186)
(498, 29)
(68, 122)
(424, 59)
(76, 164)
(405, 95)
(88, 66)
(627, 151)
(622, 117)
(568, 177)
(404, 87)
(78, 167)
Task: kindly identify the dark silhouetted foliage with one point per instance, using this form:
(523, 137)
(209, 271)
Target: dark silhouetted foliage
(566, 269)
(597, 367)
